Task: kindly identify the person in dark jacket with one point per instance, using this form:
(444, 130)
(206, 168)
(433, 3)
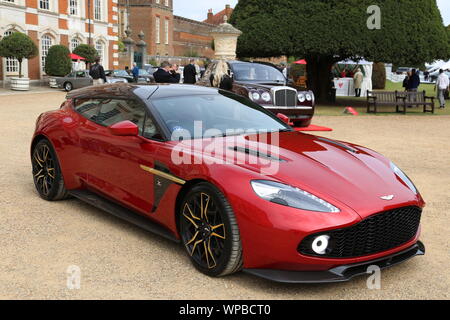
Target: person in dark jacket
(166, 74)
(97, 72)
(414, 81)
(413, 85)
(190, 73)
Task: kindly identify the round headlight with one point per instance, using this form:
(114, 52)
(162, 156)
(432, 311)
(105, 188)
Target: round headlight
(266, 96)
(301, 97)
(255, 96)
(308, 97)
(320, 244)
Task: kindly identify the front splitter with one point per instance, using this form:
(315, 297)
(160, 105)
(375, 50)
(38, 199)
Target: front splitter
(339, 274)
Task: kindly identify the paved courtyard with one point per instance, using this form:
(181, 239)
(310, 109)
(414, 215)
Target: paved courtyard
(39, 240)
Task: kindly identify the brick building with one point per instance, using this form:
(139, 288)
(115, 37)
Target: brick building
(165, 33)
(217, 18)
(66, 22)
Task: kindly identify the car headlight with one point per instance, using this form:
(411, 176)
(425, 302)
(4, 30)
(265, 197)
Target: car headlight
(289, 196)
(308, 97)
(266, 96)
(404, 178)
(301, 97)
(255, 96)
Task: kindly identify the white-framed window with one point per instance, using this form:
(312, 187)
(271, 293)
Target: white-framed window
(46, 43)
(11, 64)
(100, 47)
(44, 4)
(73, 7)
(157, 30)
(98, 9)
(167, 3)
(157, 1)
(166, 31)
(74, 42)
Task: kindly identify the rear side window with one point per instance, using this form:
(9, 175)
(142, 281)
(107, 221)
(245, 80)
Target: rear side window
(107, 112)
(88, 108)
(113, 111)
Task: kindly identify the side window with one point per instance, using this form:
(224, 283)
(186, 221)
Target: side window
(113, 111)
(81, 74)
(88, 108)
(150, 130)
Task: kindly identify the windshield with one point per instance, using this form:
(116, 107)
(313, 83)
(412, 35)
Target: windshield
(143, 72)
(121, 73)
(256, 72)
(223, 114)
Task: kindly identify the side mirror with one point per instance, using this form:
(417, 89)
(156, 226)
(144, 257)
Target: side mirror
(124, 128)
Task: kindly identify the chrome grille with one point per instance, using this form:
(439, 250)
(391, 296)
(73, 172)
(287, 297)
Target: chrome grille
(285, 97)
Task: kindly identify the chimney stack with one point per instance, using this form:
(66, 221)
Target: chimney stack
(210, 16)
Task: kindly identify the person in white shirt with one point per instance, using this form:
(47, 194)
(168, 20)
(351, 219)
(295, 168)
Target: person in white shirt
(442, 84)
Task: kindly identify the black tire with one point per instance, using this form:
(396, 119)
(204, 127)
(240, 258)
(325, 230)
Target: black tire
(47, 176)
(68, 86)
(212, 240)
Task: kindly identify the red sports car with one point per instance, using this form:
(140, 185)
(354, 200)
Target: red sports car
(229, 180)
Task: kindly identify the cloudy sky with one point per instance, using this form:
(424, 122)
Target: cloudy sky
(197, 9)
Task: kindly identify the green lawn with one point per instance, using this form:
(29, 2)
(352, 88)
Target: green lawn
(360, 104)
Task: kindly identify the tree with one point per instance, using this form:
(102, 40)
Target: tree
(87, 52)
(379, 75)
(58, 62)
(18, 46)
(327, 31)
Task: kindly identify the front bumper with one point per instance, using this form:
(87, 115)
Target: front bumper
(341, 273)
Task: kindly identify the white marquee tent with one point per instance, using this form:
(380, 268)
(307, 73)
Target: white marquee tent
(345, 86)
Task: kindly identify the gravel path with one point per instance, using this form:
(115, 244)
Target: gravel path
(40, 240)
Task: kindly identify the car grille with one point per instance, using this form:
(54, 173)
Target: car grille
(377, 233)
(285, 97)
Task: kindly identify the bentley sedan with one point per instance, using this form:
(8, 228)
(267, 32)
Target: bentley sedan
(266, 85)
(230, 181)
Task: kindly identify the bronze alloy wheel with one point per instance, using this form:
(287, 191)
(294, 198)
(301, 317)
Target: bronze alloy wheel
(46, 172)
(209, 231)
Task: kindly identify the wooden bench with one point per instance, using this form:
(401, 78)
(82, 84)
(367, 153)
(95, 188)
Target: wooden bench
(400, 99)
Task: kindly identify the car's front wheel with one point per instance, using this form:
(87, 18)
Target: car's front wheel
(209, 231)
(68, 86)
(47, 176)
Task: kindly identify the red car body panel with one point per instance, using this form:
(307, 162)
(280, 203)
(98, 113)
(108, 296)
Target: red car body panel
(92, 158)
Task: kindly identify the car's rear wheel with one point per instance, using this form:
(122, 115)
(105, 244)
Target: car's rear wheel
(209, 231)
(47, 176)
(68, 86)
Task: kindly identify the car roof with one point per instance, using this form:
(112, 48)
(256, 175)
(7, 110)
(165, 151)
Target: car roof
(127, 90)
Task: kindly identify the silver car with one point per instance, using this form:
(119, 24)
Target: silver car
(80, 79)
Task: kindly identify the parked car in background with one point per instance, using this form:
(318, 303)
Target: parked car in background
(80, 79)
(264, 84)
(144, 76)
(402, 70)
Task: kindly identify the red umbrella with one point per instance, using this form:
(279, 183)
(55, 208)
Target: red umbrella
(74, 56)
(303, 61)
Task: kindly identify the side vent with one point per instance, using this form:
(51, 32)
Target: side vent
(257, 154)
(338, 144)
